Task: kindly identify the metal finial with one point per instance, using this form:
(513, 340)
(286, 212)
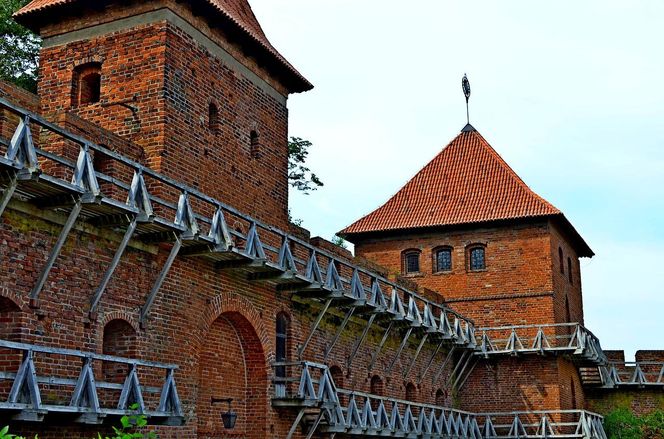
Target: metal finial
(465, 84)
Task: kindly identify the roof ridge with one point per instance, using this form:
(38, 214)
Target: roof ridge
(467, 181)
(238, 12)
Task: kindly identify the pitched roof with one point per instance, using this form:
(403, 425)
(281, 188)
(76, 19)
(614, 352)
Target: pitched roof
(466, 183)
(237, 12)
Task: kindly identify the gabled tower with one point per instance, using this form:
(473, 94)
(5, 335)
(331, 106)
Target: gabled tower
(469, 228)
(196, 84)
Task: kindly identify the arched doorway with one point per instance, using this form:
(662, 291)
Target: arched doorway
(232, 365)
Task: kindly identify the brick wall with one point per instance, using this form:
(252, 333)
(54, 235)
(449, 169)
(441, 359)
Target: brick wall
(170, 79)
(568, 299)
(219, 327)
(517, 266)
(639, 400)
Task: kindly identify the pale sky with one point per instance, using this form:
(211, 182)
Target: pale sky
(570, 93)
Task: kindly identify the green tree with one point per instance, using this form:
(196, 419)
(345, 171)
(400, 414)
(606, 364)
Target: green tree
(19, 48)
(299, 175)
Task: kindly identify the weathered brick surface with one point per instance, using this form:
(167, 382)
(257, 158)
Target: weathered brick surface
(158, 84)
(171, 80)
(518, 265)
(521, 285)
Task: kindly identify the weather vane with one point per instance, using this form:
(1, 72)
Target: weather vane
(465, 84)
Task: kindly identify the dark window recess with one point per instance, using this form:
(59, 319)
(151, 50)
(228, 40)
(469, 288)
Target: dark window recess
(412, 262)
(444, 259)
(477, 258)
(337, 376)
(255, 142)
(441, 398)
(376, 386)
(411, 392)
(214, 122)
(560, 259)
(281, 353)
(86, 88)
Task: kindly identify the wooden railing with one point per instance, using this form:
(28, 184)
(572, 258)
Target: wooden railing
(565, 338)
(639, 374)
(38, 380)
(352, 412)
(54, 168)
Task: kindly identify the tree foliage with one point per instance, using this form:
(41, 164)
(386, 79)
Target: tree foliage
(19, 48)
(299, 175)
(623, 424)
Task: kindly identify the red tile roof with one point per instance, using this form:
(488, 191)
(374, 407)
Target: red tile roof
(466, 183)
(237, 11)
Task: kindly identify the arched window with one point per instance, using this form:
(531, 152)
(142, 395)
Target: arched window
(569, 270)
(214, 122)
(337, 376)
(87, 84)
(560, 259)
(411, 261)
(376, 386)
(476, 258)
(281, 352)
(442, 259)
(411, 392)
(441, 398)
(255, 143)
(120, 341)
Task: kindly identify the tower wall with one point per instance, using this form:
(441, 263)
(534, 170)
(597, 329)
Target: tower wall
(171, 67)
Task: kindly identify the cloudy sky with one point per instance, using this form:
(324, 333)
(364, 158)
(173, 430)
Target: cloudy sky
(570, 93)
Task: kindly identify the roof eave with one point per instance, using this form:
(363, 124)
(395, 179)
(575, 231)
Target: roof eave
(293, 80)
(582, 247)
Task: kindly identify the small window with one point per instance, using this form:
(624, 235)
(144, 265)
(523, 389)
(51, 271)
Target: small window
(443, 259)
(377, 386)
(411, 392)
(569, 270)
(214, 124)
(87, 84)
(441, 398)
(476, 258)
(560, 259)
(337, 376)
(568, 314)
(411, 262)
(255, 143)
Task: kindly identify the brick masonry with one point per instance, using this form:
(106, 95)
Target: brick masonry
(159, 79)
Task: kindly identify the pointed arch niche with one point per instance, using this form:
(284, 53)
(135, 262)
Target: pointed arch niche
(232, 365)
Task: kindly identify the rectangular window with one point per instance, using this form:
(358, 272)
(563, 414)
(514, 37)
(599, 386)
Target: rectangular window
(477, 261)
(412, 262)
(444, 260)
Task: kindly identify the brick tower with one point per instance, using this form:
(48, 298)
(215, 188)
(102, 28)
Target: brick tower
(197, 85)
(467, 227)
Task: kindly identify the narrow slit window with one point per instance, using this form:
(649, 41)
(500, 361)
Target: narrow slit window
(214, 123)
(560, 259)
(281, 353)
(255, 144)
